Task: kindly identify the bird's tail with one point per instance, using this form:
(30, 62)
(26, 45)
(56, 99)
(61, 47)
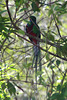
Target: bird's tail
(37, 54)
(36, 50)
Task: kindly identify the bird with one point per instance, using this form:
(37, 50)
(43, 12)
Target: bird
(33, 29)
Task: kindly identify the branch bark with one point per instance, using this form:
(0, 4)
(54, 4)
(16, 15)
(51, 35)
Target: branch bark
(48, 42)
(42, 48)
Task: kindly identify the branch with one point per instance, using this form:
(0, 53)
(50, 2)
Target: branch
(16, 27)
(1, 46)
(50, 3)
(57, 28)
(18, 87)
(21, 81)
(64, 77)
(42, 48)
(10, 15)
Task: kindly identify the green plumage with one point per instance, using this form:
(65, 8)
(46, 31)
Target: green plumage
(33, 29)
(36, 30)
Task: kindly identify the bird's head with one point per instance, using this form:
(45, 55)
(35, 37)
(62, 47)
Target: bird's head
(33, 19)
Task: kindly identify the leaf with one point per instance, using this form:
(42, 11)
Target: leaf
(11, 88)
(26, 21)
(54, 96)
(58, 87)
(41, 79)
(13, 68)
(59, 22)
(58, 51)
(12, 65)
(52, 67)
(7, 98)
(27, 65)
(47, 56)
(50, 63)
(58, 62)
(44, 84)
(65, 84)
(51, 37)
(56, 8)
(50, 11)
(18, 76)
(5, 35)
(64, 90)
(3, 86)
(33, 98)
(0, 63)
(0, 91)
(64, 4)
(22, 9)
(64, 49)
(39, 73)
(34, 7)
(21, 32)
(2, 11)
(17, 3)
(65, 93)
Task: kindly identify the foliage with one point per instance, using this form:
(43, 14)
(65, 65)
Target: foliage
(17, 77)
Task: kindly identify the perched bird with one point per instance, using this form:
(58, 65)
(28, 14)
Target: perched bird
(33, 29)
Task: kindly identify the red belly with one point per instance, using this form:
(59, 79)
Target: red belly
(34, 35)
(29, 31)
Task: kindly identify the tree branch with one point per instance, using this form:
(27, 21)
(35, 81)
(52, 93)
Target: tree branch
(64, 77)
(55, 45)
(10, 16)
(42, 48)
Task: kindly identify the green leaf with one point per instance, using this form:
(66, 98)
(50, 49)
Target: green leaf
(13, 68)
(39, 73)
(50, 11)
(64, 90)
(51, 37)
(58, 51)
(33, 98)
(47, 56)
(27, 65)
(0, 63)
(65, 93)
(27, 21)
(21, 32)
(64, 4)
(44, 84)
(58, 21)
(0, 91)
(52, 67)
(18, 76)
(58, 87)
(41, 79)
(0, 98)
(50, 63)
(5, 35)
(2, 11)
(58, 62)
(55, 96)
(7, 98)
(56, 8)
(65, 84)
(11, 88)
(3, 86)
(22, 9)
(64, 49)
(34, 7)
